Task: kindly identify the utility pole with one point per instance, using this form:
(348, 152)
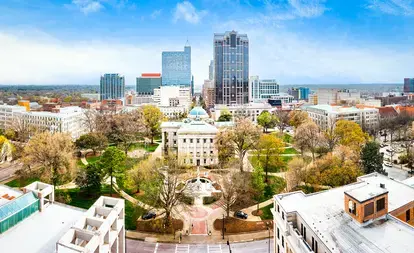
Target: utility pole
(223, 227)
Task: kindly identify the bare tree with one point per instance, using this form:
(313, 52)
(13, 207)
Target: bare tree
(90, 119)
(330, 137)
(232, 183)
(283, 119)
(308, 135)
(296, 173)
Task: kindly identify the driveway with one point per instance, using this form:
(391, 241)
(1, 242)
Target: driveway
(134, 246)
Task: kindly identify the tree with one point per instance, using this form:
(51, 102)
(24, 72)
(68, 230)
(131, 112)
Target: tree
(136, 176)
(296, 173)
(244, 135)
(152, 117)
(268, 151)
(331, 137)
(350, 134)
(225, 148)
(53, 153)
(232, 183)
(91, 119)
(282, 119)
(308, 136)
(112, 163)
(225, 115)
(266, 120)
(296, 118)
(89, 179)
(164, 188)
(257, 181)
(95, 141)
(371, 158)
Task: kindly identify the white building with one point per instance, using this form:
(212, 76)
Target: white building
(325, 115)
(67, 120)
(372, 215)
(262, 90)
(329, 96)
(32, 215)
(251, 110)
(280, 99)
(172, 96)
(192, 140)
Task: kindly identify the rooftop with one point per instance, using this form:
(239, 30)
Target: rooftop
(324, 213)
(366, 192)
(40, 231)
(337, 109)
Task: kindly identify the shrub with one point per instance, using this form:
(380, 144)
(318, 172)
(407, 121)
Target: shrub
(213, 198)
(234, 225)
(187, 200)
(157, 226)
(403, 159)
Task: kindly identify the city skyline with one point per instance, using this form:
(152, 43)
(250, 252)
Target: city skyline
(294, 42)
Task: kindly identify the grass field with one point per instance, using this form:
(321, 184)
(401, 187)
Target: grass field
(253, 160)
(289, 151)
(149, 147)
(267, 214)
(17, 183)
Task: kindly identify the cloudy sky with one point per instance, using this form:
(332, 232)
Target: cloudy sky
(293, 41)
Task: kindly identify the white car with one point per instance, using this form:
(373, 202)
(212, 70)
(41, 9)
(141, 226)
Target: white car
(388, 164)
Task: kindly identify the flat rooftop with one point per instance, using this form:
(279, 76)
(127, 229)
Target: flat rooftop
(39, 232)
(7, 194)
(324, 213)
(366, 192)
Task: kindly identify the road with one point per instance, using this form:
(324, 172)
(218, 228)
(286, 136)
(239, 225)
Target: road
(262, 246)
(396, 172)
(7, 170)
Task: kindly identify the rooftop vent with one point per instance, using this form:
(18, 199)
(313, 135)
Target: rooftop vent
(382, 186)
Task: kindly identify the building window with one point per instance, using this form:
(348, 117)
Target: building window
(205, 140)
(283, 216)
(191, 161)
(369, 209)
(211, 152)
(407, 215)
(175, 133)
(352, 207)
(211, 140)
(278, 249)
(191, 140)
(278, 233)
(278, 209)
(184, 140)
(380, 204)
(283, 241)
(198, 140)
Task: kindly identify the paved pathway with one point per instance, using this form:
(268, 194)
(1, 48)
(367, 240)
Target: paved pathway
(8, 169)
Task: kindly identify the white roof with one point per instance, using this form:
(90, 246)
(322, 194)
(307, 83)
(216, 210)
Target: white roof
(409, 181)
(39, 232)
(197, 127)
(366, 192)
(324, 212)
(7, 194)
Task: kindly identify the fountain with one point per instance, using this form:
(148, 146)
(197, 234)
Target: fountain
(199, 188)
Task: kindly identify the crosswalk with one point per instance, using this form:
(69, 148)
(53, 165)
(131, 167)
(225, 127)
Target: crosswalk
(187, 248)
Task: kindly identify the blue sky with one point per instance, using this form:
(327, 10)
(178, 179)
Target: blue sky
(293, 41)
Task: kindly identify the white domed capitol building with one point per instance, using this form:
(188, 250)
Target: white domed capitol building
(192, 139)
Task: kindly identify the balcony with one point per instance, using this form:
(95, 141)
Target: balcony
(296, 240)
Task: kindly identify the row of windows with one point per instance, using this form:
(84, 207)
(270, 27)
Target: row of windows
(197, 140)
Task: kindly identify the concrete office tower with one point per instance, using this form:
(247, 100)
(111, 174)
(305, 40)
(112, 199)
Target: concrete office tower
(211, 70)
(176, 67)
(408, 85)
(112, 86)
(262, 90)
(147, 83)
(231, 68)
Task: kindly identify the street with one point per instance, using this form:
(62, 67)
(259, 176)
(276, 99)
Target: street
(8, 169)
(134, 246)
(396, 172)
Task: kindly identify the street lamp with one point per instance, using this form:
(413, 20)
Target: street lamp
(268, 229)
(223, 227)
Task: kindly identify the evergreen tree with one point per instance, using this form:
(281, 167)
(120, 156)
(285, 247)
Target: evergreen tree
(371, 158)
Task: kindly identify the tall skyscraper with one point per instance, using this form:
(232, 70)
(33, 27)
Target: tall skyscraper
(231, 68)
(262, 90)
(147, 83)
(112, 86)
(211, 70)
(176, 67)
(408, 85)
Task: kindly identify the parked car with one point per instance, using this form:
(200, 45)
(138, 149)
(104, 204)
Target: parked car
(388, 164)
(241, 215)
(148, 216)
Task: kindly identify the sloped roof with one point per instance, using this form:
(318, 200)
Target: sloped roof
(387, 111)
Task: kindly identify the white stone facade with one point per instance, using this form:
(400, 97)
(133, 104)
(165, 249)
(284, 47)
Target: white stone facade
(252, 110)
(325, 115)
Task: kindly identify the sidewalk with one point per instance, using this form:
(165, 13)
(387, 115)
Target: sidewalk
(198, 239)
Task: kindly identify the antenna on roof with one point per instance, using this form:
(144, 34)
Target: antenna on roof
(187, 43)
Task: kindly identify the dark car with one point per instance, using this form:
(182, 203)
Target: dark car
(241, 215)
(149, 215)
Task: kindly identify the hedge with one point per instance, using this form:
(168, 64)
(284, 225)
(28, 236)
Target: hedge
(234, 225)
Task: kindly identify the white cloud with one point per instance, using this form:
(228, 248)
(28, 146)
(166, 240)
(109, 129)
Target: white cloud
(308, 8)
(155, 14)
(187, 12)
(393, 7)
(86, 6)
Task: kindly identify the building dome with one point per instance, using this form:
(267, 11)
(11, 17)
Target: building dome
(198, 112)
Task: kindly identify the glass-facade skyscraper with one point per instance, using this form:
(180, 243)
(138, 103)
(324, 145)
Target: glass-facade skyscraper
(147, 82)
(231, 68)
(112, 86)
(409, 85)
(262, 90)
(176, 67)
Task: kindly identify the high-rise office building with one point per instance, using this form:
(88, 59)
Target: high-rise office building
(301, 93)
(408, 85)
(176, 67)
(262, 90)
(147, 83)
(211, 70)
(231, 68)
(112, 86)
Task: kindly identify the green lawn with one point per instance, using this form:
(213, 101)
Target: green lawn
(81, 200)
(273, 169)
(290, 151)
(92, 159)
(267, 214)
(17, 183)
(148, 147)
(132, 213)
(287, 138)
(287, 159)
